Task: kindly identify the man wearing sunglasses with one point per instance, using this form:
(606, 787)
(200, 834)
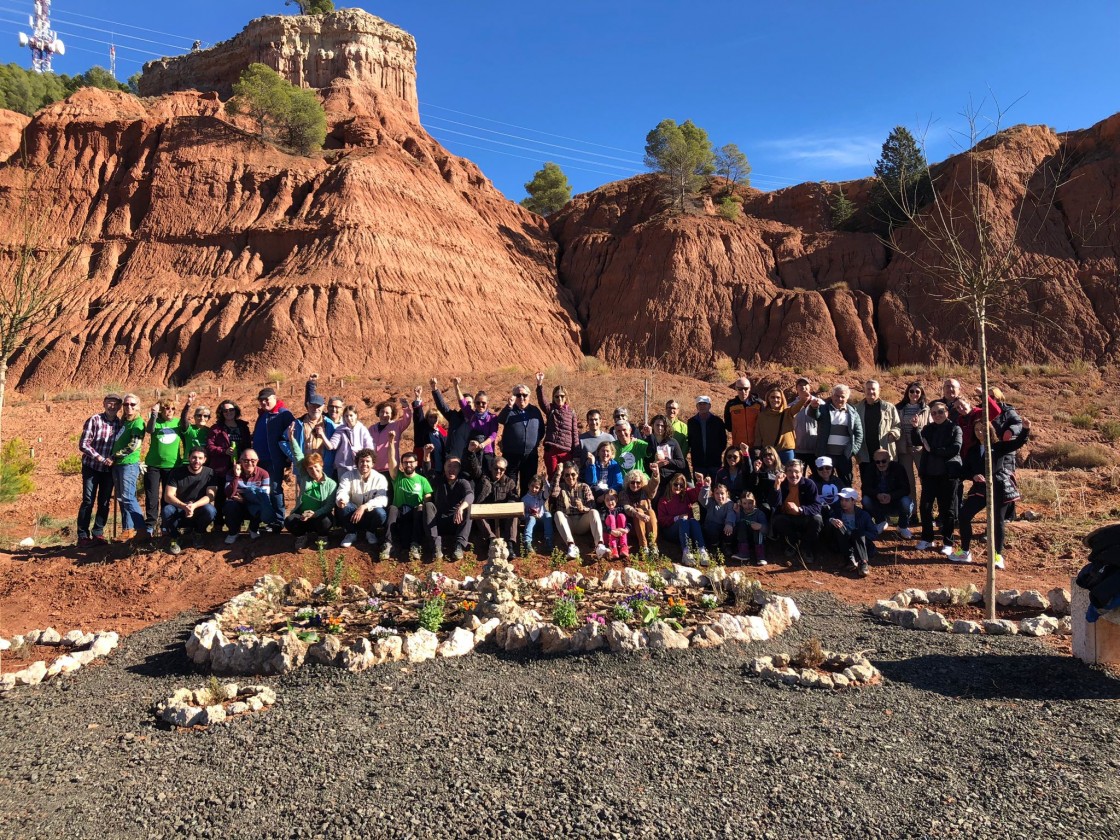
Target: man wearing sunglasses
(126, 465)
(523, 428)
(886, 492)
(940, 467)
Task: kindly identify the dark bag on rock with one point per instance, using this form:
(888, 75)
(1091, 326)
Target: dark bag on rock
(1102, 581)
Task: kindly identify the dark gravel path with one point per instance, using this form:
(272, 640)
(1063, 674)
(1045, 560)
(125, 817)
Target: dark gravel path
(968, 737)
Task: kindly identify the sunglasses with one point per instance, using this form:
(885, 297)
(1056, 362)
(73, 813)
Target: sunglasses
(499, 469)
(741, 388)
(228, 409)
(524, 394)
(250, 460)
(635, 484)
(882, 460)
(337, 407)
(203, 416)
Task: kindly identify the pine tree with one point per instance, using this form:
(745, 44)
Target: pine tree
(683, 155)
(903, 178)
(281, 110)
(732, 166)
(843, 208)
(312, 7)
(548, 191)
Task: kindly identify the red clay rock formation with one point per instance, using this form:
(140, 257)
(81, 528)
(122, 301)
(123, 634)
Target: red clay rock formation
(779, 284)
(207, 249)
(11, 130)
(308, 50)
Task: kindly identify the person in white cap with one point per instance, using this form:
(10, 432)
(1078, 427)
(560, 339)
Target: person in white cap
(850, 532)
(707, 438)
(828, 486)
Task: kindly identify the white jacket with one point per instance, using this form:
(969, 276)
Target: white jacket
(374, 491)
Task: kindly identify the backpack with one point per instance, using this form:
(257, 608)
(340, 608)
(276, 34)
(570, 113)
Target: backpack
(1102, 581)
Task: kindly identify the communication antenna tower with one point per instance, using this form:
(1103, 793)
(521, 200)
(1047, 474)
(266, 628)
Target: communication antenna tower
(43, 41)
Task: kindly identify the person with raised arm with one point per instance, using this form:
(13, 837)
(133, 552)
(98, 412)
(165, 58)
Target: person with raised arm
(348, 439)
(407, 515)
(164, 455)
(192, 425)
(561, 430)
(458, 427)
(388, 431)
(479, 417)
(427, 431)
(676, 521)
(637, 500)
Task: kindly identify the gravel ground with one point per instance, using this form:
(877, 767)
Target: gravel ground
(967, 737)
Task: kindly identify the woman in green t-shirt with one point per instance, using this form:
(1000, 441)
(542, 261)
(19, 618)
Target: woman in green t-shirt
(164, 455)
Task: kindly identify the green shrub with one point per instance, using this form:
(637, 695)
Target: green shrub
(1081, 421)
(729, 209)
(564, 614)
(16, 467)
(70, 465)
(282, 111)
(1110, 429)
(430, 616)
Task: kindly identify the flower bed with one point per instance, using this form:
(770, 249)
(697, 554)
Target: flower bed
(212, 703)
(962, 611)
(278, 625)
(813, 667)
(75, 648)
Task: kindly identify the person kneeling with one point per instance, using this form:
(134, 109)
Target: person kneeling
(751, 528)
(361, 499)
(189, 499)
(798, 516)
(448, 509)
(852, 532)
(407, 517)
(312, 516)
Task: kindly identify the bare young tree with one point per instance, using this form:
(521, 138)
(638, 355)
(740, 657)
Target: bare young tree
(974, 256)
(37, 280)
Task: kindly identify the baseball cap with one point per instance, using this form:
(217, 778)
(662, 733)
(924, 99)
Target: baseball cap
(707, 400)
(316, 400)
(116, 397)
(265, 393)
(824, 461)
(850, 493)
(802, 380)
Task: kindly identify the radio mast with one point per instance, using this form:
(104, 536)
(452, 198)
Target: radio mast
(43, 41)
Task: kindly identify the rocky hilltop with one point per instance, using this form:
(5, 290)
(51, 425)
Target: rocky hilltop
(308, 50)
(780, 284)
(209, 250)
(206, 250)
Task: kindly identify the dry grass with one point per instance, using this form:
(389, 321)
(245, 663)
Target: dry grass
(1069, 455)
(1110, 430)
(593, 364)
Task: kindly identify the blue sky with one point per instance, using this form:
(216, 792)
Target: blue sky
(808, 90)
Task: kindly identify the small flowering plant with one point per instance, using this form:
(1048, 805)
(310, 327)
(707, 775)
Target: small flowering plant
(370, 605)
(467, 606)
(596, 618)
(305, 614)
(564, 613)
(709, 602)
(571, 590)
(334, 625)
(622, 611)
(244, 630)
(677, 608)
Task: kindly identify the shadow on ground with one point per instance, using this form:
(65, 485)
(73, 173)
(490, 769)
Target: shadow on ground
(992, 676)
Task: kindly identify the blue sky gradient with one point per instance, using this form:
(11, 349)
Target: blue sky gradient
(808, 90)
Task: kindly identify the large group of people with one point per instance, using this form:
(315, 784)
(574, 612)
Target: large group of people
(777, 472)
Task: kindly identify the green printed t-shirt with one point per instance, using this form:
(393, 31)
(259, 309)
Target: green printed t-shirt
(632, 456)
(194, 437)
(410, 490)
(130, 431)
(164, 449)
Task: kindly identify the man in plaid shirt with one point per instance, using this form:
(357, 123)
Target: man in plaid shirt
(96, 446)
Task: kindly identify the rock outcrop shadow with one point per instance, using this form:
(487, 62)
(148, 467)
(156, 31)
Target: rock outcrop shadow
(994, 676)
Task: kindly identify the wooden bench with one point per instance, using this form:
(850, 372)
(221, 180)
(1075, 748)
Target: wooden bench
(504, 510)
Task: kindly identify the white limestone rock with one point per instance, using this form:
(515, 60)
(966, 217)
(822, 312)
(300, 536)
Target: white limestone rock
(203, 639)
(554, 640)
(459, 643)
(420, 646)
(388, 649)
(706, 637)
(1059, 600)
(622, 638)
(555, 581)
(1041, 625)
(612, 580)
(661, 636)
(1000, 627)
(486, 629)
(633, 578)
(33, 674)
(905, 617)
(1007, 597)
(183, 716)
(591, 636)
(359, 656)
(917, 596)
(1032, 599)
(930, 620)
(968, 628)
(50, 636)
(325, 651)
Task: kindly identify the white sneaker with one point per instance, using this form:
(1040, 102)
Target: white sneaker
(905, 533)
(999, 561)
(946, 550)
(231, 539)
(881, 527)
(686, 558)
(349, 539)
(573, 552)
(371, 538)
(924, 545)
(704, 559)
(253, 535)
(961, 556)
(602, 551)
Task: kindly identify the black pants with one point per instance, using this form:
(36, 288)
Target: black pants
(315, 526)
(95, 485)
(797, 528)
(504, 528)
(405, 526)
(847, 544)
(941, 489)
(973, 504)
(441, 523)
(524, 467)
(155, 482)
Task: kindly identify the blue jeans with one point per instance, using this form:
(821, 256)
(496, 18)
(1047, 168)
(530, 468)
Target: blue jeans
(175, 518)
(546, 523)
(687, 530)
(903, 509)
(124, 480)
(95, 484)
(371, 520)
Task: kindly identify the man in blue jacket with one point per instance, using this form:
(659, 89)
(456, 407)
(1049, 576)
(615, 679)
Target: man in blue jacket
(270, 440)
(522, 432)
